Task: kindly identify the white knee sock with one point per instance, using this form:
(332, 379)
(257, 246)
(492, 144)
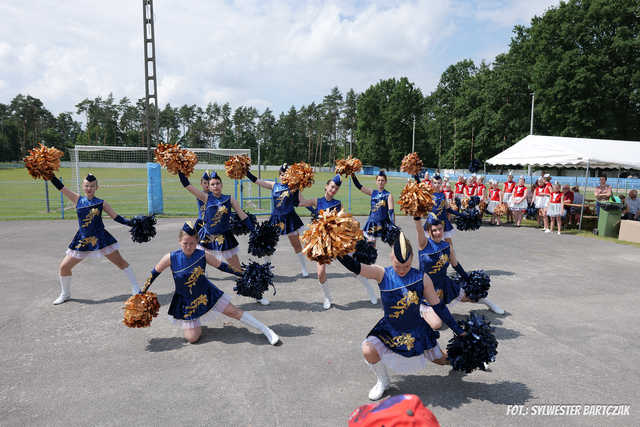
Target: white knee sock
(302, 264)
(251, 321)
(492, 306)
(377, 391)
(370, 291)
(132, 279)
(65, 289)
(327, 296)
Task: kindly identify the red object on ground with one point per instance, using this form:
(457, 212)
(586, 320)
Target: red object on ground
(396, 411)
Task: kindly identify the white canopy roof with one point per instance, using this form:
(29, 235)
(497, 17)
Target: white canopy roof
(556, 151)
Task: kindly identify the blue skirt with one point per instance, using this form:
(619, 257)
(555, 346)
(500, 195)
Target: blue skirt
(374, 228)
(406, 342)
(447, 289)
(101, 239)
(183, 308)
(288, 223)
(218, 242)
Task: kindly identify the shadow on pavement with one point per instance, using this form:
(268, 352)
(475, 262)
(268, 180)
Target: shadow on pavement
(356, 305)
(283, 305)
(156, 345)
(499, 273)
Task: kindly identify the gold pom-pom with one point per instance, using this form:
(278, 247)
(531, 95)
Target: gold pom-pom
(482, 206)
(411, 164)
(348, 166)
(501, 209)
(415, 199)
(140, 309)
(298, 176)
(464, 204)
(43, 161)
(176, 159)
(237, 166)
(332, 235)
(453, 206)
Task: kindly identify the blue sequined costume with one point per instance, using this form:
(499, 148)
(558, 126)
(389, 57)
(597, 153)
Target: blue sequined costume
(284, 214)
(379, 214)
(91, 235)
(440, 210)
(402, 329)
(324, 204)
(216, 233)
(201, 209)
(434, 261)
(195, 296)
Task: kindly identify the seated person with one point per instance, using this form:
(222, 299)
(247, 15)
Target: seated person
(631, 206)
(567, 197)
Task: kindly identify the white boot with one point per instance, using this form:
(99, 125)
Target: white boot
(326, 304)
(301, 257)
(264, 301)
(251, 321)
(372, 293)
(65, 290)
(492, 306)
(135, 289)
(377, 391)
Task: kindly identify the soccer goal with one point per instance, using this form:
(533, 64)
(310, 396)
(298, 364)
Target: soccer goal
(122, 175)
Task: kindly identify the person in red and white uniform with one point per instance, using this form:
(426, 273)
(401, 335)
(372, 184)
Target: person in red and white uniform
(507, 191)
(540, 200)
(481, 189)
(555, 209)
(459, 188)
(518, 202)
(448, 192)
(494, 200)
(427, 178)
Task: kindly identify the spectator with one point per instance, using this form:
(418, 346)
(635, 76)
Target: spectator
(578, 199)
(603, 192)
(567, 197)
(631, 206)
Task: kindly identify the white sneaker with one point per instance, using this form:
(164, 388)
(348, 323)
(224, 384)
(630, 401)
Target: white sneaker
(377, 391)
(305, 273)
(272, 337)
(546, 230)
(62, 298)
(559, 233)
(263, 301)
(326, 304)
(492, 306)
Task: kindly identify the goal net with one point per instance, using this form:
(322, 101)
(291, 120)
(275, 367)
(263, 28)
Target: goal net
(122, 176)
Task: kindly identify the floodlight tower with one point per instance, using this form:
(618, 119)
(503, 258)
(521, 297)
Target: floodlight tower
(151, 85)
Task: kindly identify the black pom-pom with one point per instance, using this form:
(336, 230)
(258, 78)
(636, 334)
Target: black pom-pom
(390, 234)
(478, 285)
(476, 348)
(474, 201)
(365, 253)
(469, 219)
(263, 241)
(475, 165)
(238, 227)
(255, 281)
(532, 211)
(143, 228)
(458, 202)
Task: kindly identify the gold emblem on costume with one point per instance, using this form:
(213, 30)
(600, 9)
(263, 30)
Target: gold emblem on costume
(410, 298)
(378, 205)
(440, 293)
(193, 277)
(91, 240)
(94, 212)
(210, 238)
(222, 210)
(281, 225)
(281, 197)
(405, 339)
(444, 258)
(191, 308)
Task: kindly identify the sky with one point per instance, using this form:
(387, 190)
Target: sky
(268, 54)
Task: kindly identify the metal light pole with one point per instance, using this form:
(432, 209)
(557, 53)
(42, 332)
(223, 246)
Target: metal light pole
(533, 100)
(259, 177)
(413, 138)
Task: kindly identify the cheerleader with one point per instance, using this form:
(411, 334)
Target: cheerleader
(321, 204)
(381, 214)
(448, 193)
(481, 189)
(540, 201)
(507, 192)
(284, 214)
(555, 209)
(440, 210)
(494, 200)
(215, 236)
(196, 300)
(435, 255)
(91, 240)
(459, 188)
(204, 183)
(401, 340)
(519, 200)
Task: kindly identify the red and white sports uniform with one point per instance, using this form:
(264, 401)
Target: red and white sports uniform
(448, 194)
(494, 199)
(540, 198)
(459, 190)
(507, 191)
(518, 201)
(481, 191)
(470, 190)
(554, 208)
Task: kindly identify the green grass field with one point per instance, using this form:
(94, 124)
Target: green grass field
(22, 197)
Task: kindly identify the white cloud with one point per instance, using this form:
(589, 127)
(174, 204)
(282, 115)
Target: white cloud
(508, 13)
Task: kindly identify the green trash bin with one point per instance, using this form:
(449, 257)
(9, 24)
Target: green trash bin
(609, 219)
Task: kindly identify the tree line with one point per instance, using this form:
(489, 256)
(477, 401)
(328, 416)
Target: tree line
(581, 59)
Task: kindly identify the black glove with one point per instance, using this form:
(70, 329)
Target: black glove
(123, 221)
(392, 216)
(183, 179)
(150, 280)
(227, 269)
(247, 222)
(350, 264)
(443, 312)
(251, 176)
(57, 183)
(458, 268)
(356, 182)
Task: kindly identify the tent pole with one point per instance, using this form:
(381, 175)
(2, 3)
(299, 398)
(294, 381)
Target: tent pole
(586, 179)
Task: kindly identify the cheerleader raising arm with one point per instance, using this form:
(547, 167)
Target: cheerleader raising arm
(73, 197)
(364, 189)
(200, 195)
(261, 182)
(422, 237)
(373, 271)
(306, 203)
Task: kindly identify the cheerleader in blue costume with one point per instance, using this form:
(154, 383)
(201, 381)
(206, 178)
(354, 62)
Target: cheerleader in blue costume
(204, 183)
(91, 240)
(284, 214)
(216, 237)
(435, 255)
(381, 214)
(196, 300)
(440, 209)
(321, 204)
(401, 340)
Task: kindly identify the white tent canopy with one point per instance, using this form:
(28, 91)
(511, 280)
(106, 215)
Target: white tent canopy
(556, 151)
